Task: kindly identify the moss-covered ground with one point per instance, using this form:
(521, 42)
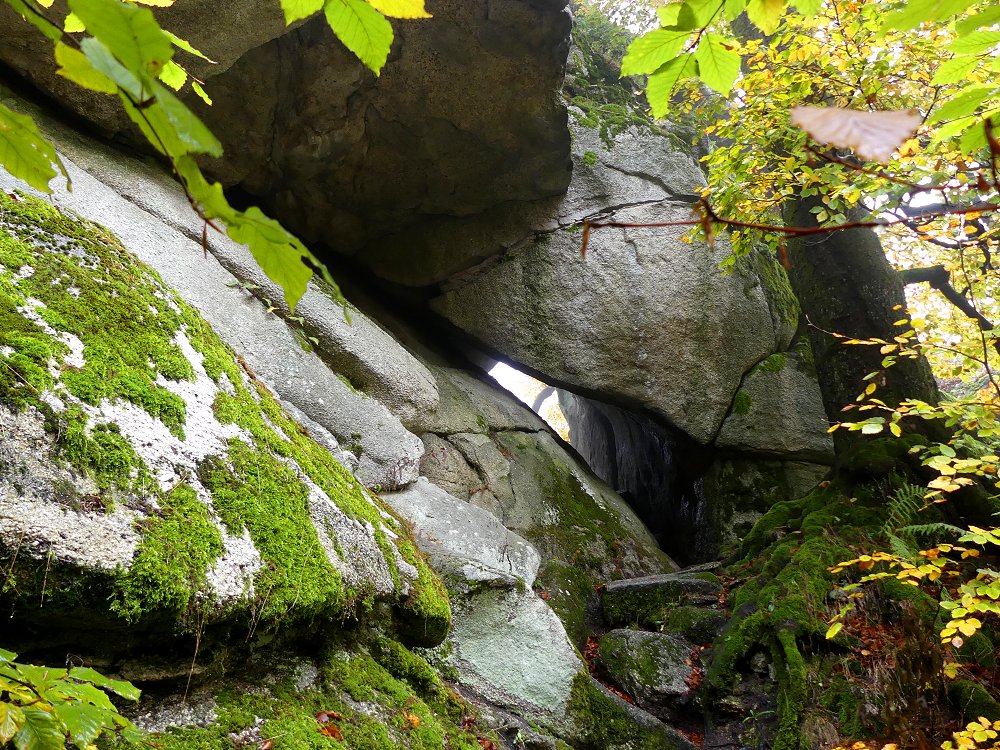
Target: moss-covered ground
(881, 677)
(370, 694)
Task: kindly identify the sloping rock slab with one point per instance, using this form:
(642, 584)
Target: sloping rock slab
(637, 599)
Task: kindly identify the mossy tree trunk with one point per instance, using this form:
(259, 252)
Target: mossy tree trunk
(845, 285)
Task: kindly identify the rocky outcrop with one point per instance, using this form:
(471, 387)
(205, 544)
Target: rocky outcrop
(274, 402)
(779, 411)
(361, 163)
(143, 457)
(507, 644)
(499, 456)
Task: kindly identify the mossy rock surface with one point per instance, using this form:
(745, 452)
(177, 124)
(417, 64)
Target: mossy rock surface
(644, 600)
(371, 695)
(146, 461)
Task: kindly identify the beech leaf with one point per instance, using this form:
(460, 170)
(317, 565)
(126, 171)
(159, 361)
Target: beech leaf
(400, 8)
(362, 29)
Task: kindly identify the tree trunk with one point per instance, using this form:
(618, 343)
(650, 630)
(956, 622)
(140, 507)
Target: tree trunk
(845, 285)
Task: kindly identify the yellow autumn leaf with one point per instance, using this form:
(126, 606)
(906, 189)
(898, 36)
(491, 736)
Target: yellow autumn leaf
(910, 146)
(400, 8)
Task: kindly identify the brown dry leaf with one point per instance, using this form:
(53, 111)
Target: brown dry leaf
(333, 731)
(872, 135)
(412, 719)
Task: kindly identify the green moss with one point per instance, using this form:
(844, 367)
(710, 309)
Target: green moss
(101, 452)
(568, 593)
(278, 519)
(878, 456)
(394, 716)
(647, 606)
(254, 489)
(781, 299)
(589, 159)
(742, 403)
(603, 724)
(81, 281)
(90, 288)
(178, 544)
(774, 363)
(425, 617)
(611, 119)
(585, 536)
(973, 700)
(697, 624)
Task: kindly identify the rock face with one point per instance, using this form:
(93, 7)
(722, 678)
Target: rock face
(644, 317)
(779, 411)
(498, 455)
(507, 644)
(142, 457)
(335, 151)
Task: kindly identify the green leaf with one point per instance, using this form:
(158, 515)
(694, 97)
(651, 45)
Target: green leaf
(834, 629)
(189, 129)
(955, 69)
(119, 687)
(718, 62)
(663, 82)
(170, 126)
(918, 11)
(25, 153)
(953, 128)
(103, 61)
(280, 254)
(187, 47)
(131, 34)
(277, 252)
(974, 138)
(200, 91)
(82, 721)
(697, 14)
(647, 53)
(173, 75)
(808, 8)
(766, 14)
(11, 720)
(6, 656)
(964, 104)
(975, 42)
(74, 66)
(86, 693)
(298, 9)
(73, 24)
(669, 13)
(733, 8)
(971, 23)
(40, 731)
(362, 29)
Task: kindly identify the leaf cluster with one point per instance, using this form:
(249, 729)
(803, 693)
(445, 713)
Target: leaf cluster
(48, 709)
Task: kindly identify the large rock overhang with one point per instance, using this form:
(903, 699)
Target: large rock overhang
(465, 120)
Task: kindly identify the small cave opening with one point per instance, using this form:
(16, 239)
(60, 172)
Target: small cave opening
(656, 469)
